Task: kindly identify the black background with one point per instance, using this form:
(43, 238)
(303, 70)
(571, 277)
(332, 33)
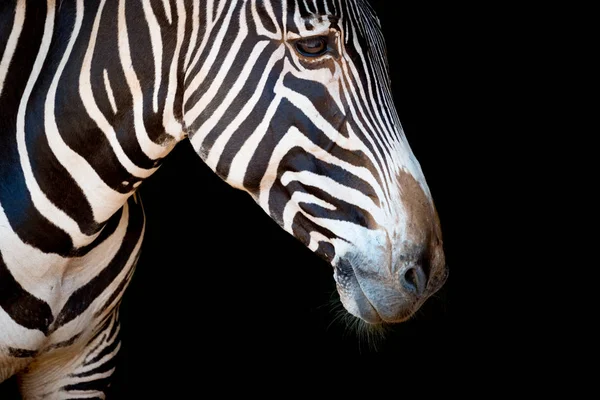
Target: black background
(222, 294)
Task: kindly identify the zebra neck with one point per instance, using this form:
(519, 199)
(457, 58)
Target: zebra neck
(78, 137)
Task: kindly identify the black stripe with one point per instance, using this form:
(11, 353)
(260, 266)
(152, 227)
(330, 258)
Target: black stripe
(142, 59)
(115, 324)
(118, 291)
(297, 159)
(239, 102)
(21, 353)
(109, 228)
(7, 17)
(344, 211)
(288, 115)
(306, 9)
(217, 62)
(97, 385)
(54, 179)
(101, 328)
(64, 343)
(27, 222)
(77, 129)
(319, 96)
(110, 346)
(81, 299)
(104, 367)
(24, 308)
(265, 19)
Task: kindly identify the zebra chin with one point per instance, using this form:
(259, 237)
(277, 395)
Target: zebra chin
(389, 294)
(377, 304)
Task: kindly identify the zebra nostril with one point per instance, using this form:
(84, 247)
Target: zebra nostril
(414, 280)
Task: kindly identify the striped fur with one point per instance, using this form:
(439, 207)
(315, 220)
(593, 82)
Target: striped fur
(95, 94)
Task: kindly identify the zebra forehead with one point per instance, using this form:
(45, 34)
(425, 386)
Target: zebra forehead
(299, 15)
(310, 8)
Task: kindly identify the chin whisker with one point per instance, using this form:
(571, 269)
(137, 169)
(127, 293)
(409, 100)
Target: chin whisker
(337, 309)
(369, 337)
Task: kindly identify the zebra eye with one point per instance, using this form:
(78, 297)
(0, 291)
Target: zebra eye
(313, 46)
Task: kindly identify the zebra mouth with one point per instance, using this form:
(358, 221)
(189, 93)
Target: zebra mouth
(354, 299)
(359, 305)
(377, 309)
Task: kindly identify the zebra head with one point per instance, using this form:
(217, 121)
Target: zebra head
(291, 102)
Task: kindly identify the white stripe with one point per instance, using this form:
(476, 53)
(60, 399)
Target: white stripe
(295, 138)
(306, 6)
(292, 207)
(83, 321)
(81, 270)
(284, 7)
(239, 164)
(14, 335)
(349, 91)
(359, 236)
(356, 234)
(167, 6)
(37, 272)
(260, 28)
(103, 199)
(193, 35)
(333, 84)
(209, 24)
(356, 91)
(157, 47)
(95, 348)
(217, 42)
(13, 39)
(308, 108)
(172, 126)
(106, 357)
(109, 92)
(315, 239)
(334, 189)
(151, 149)
(87, 97)
(40, 201)
(384, 126)
(224, 137)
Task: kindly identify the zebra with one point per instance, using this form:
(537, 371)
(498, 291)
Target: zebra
(288, 101)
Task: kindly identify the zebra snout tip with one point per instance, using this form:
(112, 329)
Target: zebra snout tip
(381, 297)
(422, 272)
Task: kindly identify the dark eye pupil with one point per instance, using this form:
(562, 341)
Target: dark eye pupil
(315, 46)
